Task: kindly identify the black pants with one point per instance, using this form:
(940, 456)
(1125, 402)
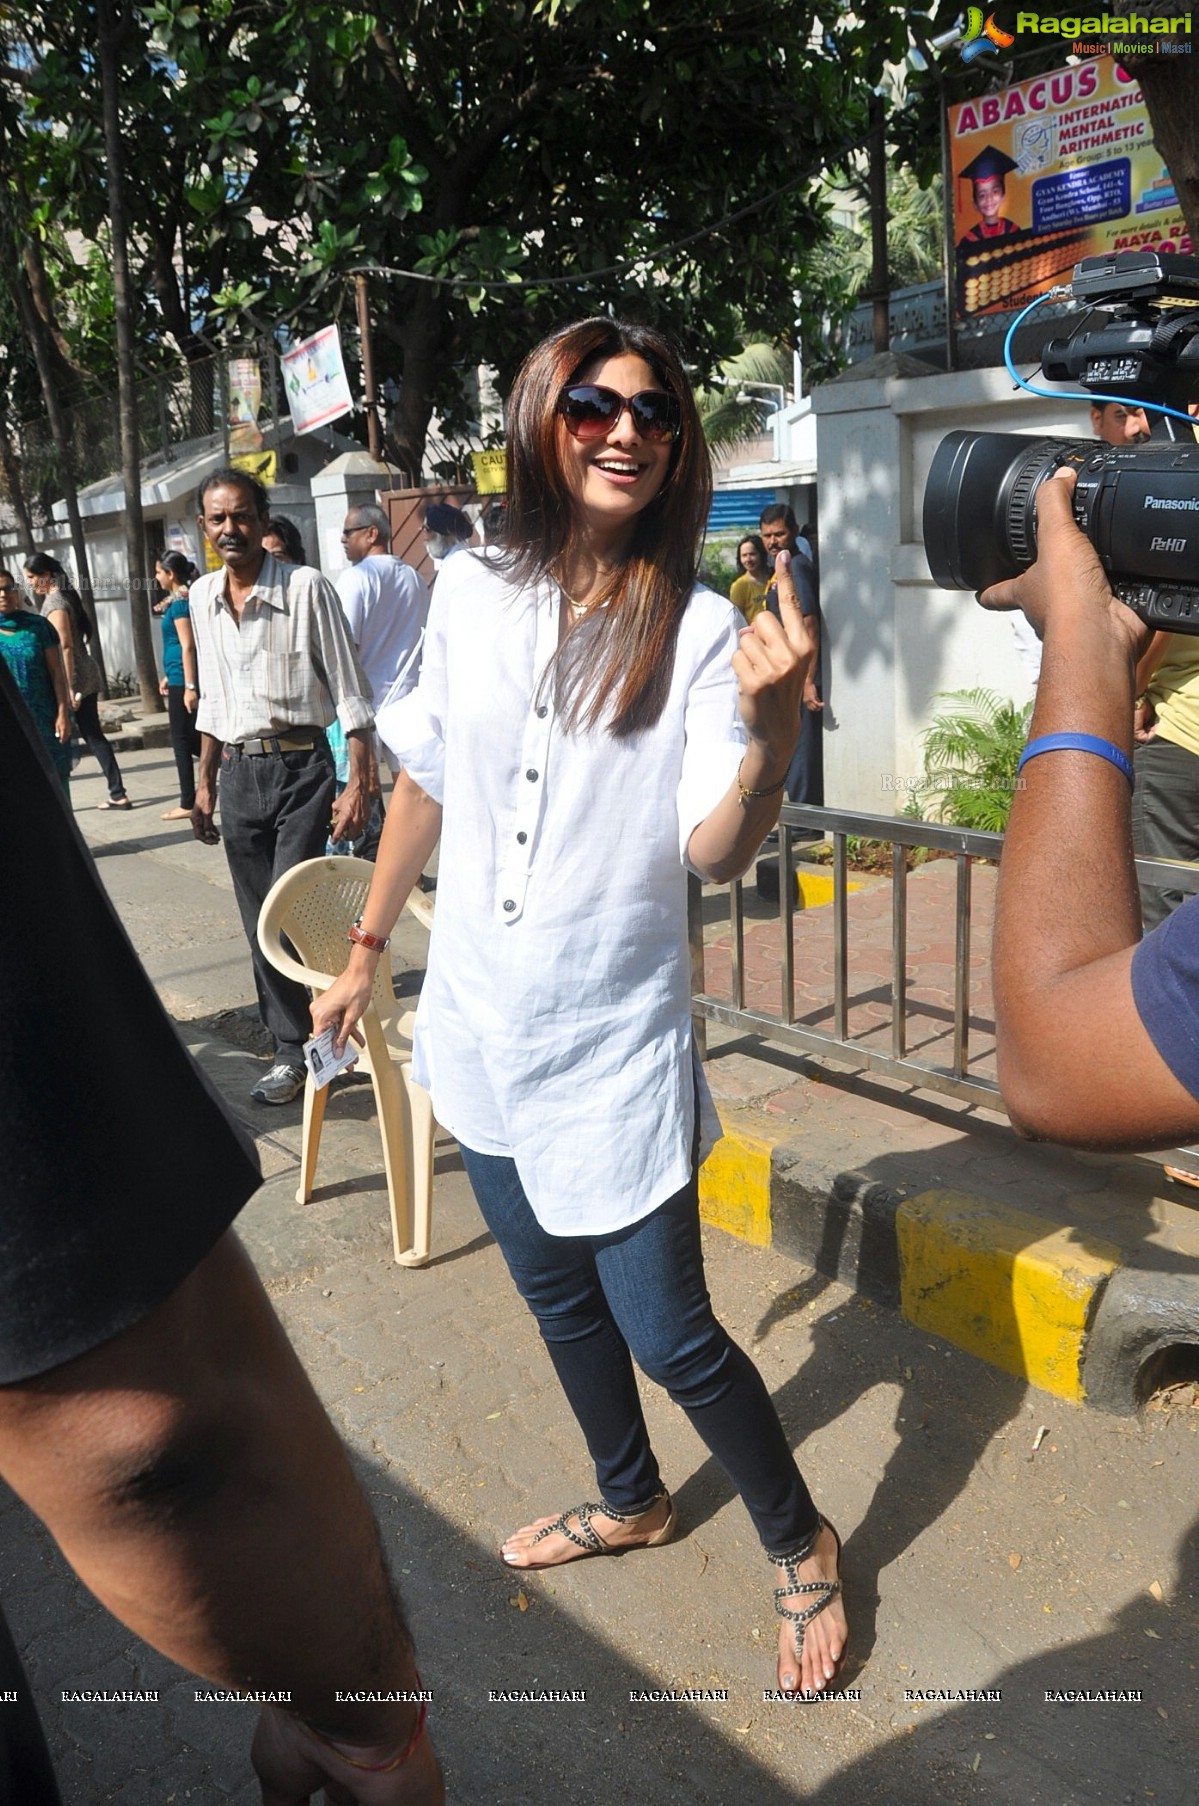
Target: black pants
(87, 715)
(275, 812)
(185, 744)
(805, 777)
(1165, 817)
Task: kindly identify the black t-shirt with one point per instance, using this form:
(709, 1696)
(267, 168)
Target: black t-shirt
(119, 1165)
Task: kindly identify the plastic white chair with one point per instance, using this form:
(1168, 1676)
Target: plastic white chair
(313, 905)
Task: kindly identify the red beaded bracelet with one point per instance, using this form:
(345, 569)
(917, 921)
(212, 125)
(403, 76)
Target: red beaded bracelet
(380, 1768)
(375, 943)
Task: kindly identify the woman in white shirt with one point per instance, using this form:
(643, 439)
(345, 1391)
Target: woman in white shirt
(590, 723)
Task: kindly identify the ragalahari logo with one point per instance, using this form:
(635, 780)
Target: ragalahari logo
(983, 34)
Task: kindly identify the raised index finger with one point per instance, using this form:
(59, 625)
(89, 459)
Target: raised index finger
(791, 613)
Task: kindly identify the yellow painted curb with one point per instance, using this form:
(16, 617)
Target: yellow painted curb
(815, 890)
(1001, 1284)
(734, 1183)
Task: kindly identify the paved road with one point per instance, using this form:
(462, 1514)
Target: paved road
(971, 1562)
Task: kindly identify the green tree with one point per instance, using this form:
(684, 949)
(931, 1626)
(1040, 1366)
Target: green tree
(541, 160)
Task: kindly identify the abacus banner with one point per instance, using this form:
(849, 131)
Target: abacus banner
(1047, 172)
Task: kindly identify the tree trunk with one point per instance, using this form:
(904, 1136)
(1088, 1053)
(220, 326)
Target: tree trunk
(11, 467)
(37, 334)
(111, 27)
(409, 424)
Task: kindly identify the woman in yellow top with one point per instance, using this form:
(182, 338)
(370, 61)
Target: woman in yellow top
(749, 590)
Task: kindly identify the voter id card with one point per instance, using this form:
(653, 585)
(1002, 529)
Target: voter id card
(323, 1063)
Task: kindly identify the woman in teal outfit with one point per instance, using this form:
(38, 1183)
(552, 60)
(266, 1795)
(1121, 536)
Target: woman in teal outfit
(29, 647)
(174, 573)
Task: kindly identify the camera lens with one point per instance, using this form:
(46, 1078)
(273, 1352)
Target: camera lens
(979, 508)
(1138, 506)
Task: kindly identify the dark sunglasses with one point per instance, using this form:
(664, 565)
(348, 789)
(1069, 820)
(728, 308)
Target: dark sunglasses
(590, 412)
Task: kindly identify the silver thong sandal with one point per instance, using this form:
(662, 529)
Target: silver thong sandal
(825, 1591)
(587, 1538)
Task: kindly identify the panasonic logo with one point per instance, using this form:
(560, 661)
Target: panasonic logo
(1186, 504)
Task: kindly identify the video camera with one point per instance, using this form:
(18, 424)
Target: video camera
(1139, 504)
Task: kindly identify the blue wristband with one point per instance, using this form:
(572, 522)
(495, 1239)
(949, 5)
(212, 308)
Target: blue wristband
(1088, 743)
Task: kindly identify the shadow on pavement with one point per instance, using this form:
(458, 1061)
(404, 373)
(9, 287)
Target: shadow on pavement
(472, 1635)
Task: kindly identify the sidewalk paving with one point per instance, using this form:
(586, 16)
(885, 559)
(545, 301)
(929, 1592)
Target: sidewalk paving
(971, 1562)
(931, 966)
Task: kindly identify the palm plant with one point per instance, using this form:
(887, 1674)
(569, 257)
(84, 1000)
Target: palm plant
(971, 752)
(728, 422)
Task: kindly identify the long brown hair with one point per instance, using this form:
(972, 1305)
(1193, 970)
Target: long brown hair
(619, 657)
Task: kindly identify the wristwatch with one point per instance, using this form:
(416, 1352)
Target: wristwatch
(374, 943)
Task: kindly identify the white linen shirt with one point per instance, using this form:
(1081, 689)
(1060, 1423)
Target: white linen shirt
(554, 1025)
(290, 663)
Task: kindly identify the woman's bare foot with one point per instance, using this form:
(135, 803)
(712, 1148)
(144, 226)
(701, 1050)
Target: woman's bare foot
(821, 1642)
(529, 1547)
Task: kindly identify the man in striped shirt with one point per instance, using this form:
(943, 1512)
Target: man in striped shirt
(276, 666)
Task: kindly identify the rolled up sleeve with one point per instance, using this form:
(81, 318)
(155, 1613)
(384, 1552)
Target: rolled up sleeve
(714, 735)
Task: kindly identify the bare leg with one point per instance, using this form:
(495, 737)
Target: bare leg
(208, 1502)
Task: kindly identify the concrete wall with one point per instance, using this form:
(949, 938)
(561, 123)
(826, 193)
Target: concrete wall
(892, 640)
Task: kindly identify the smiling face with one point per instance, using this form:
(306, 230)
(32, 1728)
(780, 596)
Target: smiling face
(233, 527)
(41, 586)
(988, 197)
(613, 478)
(750, 559)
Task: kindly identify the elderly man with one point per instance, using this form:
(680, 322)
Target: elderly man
(385, 602)
(276, 666)
(386, 605)
(447, 530)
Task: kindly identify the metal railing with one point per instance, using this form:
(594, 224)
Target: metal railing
(837, 826)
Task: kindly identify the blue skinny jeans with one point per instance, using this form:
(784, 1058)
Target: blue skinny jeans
(603, 1301)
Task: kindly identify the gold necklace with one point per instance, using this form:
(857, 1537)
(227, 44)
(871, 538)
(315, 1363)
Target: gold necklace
(582, 608)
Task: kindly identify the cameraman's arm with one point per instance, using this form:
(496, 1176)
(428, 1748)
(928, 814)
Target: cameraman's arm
(1076, 1063)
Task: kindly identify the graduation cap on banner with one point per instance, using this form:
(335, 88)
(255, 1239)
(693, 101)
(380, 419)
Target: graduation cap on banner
(990, 161)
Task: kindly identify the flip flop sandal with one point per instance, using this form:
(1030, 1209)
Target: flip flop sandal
(590, 1542)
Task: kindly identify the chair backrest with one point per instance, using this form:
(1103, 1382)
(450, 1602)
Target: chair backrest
(313, 906)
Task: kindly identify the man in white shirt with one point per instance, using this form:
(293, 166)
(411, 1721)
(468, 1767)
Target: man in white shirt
(385, 602)
(277, 665)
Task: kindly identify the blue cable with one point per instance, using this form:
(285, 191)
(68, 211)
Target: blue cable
(1075, 394)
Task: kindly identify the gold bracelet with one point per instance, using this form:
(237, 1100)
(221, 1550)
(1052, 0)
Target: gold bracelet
(748, 795)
